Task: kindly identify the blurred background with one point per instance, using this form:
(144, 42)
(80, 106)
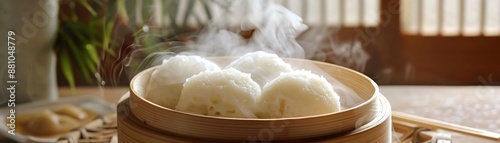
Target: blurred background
(411, 42)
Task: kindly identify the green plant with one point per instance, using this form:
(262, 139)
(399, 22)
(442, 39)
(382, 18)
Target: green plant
(91, 29)
(81, 35)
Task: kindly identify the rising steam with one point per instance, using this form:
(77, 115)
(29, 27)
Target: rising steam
(274, 30)
(272, 27)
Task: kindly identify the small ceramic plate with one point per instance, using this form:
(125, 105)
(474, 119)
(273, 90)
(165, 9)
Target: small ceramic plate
(92, 103)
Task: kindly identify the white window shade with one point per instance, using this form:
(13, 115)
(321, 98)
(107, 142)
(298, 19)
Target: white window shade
(492, 18)
(450, 17)
(346, 13)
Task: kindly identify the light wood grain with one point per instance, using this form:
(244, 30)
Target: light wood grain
(200, 126)
(132, 130)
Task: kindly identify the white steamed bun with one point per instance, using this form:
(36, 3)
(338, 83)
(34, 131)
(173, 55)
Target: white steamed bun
(298, 93)
(262, 66)
(165, 84)
(225, 93)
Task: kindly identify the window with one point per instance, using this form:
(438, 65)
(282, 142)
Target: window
(451, 17)
(348, 13)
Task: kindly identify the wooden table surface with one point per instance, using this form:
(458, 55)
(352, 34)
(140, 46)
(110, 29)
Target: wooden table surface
(472, 106)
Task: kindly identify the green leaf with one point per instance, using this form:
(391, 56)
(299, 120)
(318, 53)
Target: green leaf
(121, 10)
(106, 41)
(81, 37)
(66, 69)
(92, 53)
(99, 2)
(87, 6)
(78, 57)
(91, 67)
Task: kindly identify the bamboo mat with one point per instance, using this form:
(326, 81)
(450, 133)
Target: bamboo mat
(101, 130)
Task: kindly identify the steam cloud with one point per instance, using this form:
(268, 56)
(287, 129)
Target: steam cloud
(274, 30)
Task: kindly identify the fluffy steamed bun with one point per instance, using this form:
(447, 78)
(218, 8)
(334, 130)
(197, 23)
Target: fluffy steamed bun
(262, 66)
(225, 93)
(298, 93)
(165, 84)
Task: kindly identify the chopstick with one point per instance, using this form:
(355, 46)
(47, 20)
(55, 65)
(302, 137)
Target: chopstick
(435, 124)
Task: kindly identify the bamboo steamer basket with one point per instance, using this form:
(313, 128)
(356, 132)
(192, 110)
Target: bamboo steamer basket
(378, 130)
(163, 123)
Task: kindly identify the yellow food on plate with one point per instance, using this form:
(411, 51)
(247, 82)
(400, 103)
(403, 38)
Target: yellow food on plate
(48, 123)
(71, 111)
(54, 121)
